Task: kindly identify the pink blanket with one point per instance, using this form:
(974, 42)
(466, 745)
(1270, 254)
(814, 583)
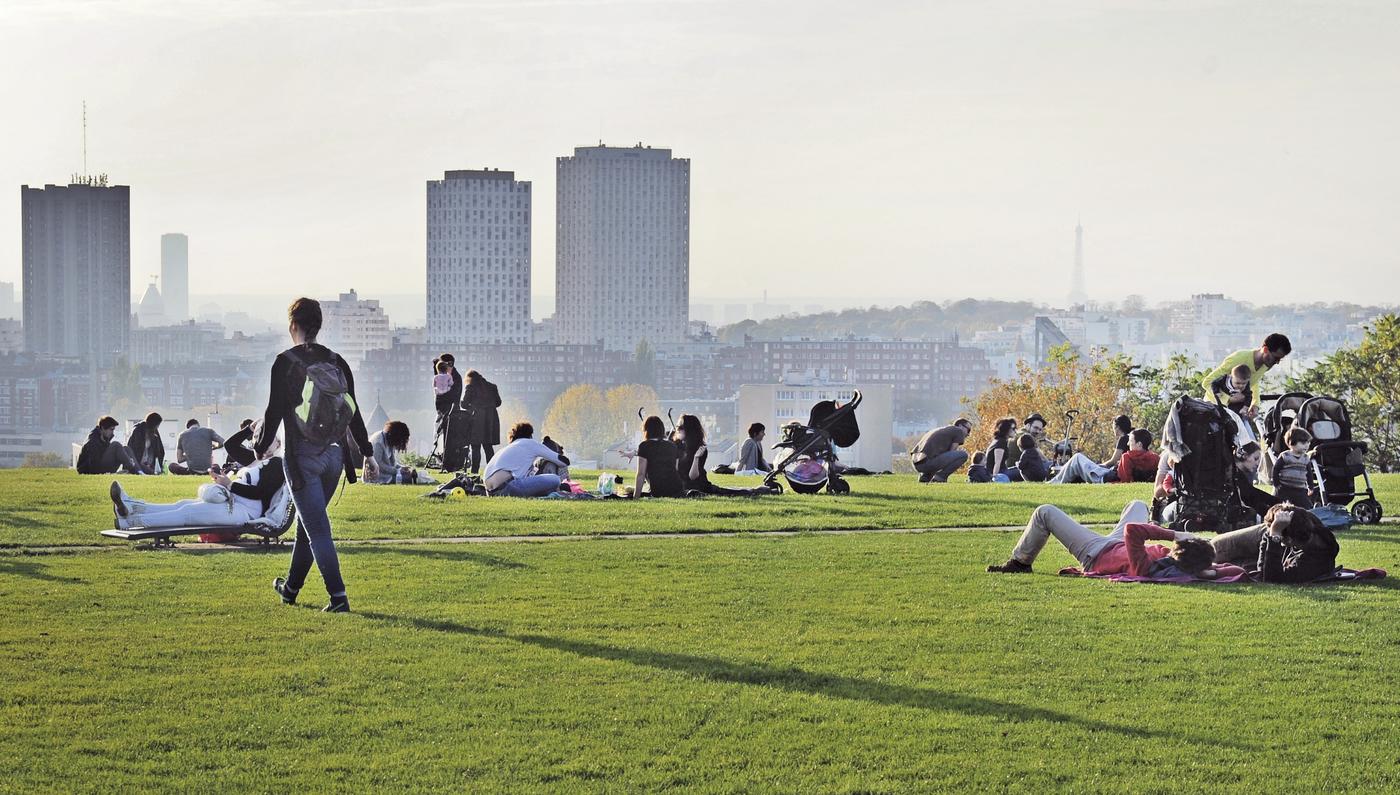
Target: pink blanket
(1340, 575)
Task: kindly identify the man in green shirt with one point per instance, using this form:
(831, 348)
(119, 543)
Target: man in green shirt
(1259, 360)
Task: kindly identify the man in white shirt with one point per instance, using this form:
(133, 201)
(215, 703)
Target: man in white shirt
(508, 471)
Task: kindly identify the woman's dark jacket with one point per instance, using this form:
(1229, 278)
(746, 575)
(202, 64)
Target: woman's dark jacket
(481, 399)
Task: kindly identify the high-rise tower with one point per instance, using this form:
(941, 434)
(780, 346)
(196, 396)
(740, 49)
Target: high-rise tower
(478, 258)
(175, 276)
(1077, 294)
(76, 244)
(622, 251)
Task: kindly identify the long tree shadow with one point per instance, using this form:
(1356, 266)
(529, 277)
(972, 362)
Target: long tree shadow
(34, 570)
(798, 680)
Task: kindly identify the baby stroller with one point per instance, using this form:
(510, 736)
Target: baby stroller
(1275, 422)
(808, 465)
(1205, 474)
(1337, 459)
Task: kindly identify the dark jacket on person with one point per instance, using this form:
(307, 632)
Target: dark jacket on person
(145, 444)
(235, 451)
(1033, 466)
(480, 400)
(1280, 562)
(271, 477)
(284, 396)
(450, 400)
(90, 457)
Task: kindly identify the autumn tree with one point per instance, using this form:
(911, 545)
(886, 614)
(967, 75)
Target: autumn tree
(1098, 388)
(579, 419)
(623, 402)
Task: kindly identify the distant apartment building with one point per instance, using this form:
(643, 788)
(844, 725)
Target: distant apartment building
(175, 276)
(173, 344)
(791, 400)
(352, 326)
(76, 251)
(478, 259)
(8, 307)
(622, 247)
(11, 335)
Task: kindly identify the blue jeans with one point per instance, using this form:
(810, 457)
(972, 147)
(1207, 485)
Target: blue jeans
(319, 473)
(531, 486)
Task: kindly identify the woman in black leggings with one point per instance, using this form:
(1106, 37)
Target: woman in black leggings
(691, 464)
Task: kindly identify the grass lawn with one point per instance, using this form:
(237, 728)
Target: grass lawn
(751, 663)
(58, 507)
(797, 664)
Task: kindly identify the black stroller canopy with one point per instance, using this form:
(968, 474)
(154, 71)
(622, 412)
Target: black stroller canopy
(838, 421)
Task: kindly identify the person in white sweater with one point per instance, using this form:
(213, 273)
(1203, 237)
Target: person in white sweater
(508, 471)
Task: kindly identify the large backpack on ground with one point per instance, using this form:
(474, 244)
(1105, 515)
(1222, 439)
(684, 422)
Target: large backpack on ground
(322, 405)
(1205, 476)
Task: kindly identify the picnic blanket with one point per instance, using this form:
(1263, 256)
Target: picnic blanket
(1340, 574)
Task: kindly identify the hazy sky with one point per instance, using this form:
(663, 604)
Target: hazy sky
(840, 151)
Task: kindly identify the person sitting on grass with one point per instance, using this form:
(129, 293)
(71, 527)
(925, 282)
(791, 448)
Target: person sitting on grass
(939, 453)
(388, 444)
(1292, 545)
(104, 455)
(977, 473)
(691, 465)
(224, 502)
(194, 450)
(999, 456)
(145, 444)
(657, 458)
(1290, 475)
(751, 454)
(1122, 551)
(1123, 424)
(508, 471)
(1139, 464)
(1031, 466)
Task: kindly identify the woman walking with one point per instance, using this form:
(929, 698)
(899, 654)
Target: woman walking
(313, 397)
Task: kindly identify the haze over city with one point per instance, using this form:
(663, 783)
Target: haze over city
(843, 154)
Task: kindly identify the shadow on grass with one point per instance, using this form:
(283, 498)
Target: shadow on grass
(795, 680)
(34, 570)
(455, 554)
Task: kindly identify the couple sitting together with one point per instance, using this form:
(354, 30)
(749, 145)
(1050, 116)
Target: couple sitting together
(1290, 546)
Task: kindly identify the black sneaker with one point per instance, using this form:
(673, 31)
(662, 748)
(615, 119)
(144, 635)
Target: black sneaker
(118, 499)
(341, 605)
(289, 597)
(1011, 566)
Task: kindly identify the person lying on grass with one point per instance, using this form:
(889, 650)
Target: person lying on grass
(1292, 546)
(223, 502)
(1123, 551)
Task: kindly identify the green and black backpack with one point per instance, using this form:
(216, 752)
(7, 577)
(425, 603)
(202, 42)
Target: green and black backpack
(322, 406)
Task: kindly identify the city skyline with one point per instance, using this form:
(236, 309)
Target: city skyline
(949, 149)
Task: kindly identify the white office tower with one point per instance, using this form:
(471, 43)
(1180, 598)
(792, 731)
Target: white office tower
(76, 244)
(175, 276)
(1078, 296)
(622, 251)
(352, 326)
(478, 259)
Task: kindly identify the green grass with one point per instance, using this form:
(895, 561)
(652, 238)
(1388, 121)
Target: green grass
(869, 663)
(58, 508)
(797, 664)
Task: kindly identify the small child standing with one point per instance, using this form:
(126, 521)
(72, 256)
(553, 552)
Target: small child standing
(1291, 469)
(977, 473)
(442, 382)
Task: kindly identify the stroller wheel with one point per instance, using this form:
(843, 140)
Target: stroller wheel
(837, 486)
(775, 487)
(1367, 512)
